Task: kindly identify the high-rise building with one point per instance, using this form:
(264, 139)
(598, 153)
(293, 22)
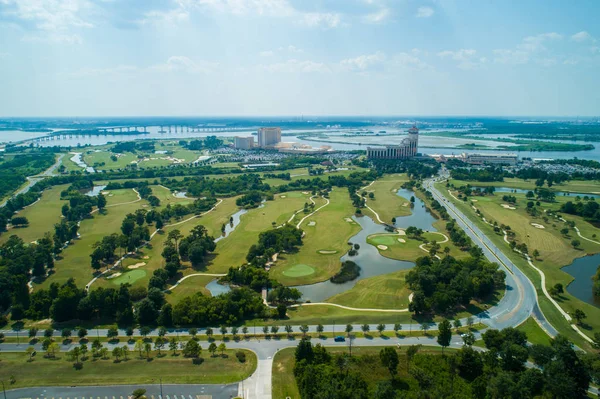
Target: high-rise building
(244, 143)
(407, 148)
(269, 136)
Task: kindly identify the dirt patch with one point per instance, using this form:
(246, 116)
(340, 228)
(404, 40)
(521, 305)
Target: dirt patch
(136, 265)
(382, 247)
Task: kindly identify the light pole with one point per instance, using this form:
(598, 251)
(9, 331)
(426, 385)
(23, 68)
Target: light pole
(4, 389)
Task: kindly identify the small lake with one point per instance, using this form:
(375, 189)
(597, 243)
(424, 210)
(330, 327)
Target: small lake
(371, 262)
(78, 160)
(583, 269)
(217, 289)
(94, 192)
(229, 227)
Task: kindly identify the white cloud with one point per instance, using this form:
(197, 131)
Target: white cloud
(409, 61)
(317, 19)
(547, 62)
(275, 8)
(377, 17)
(505, 56)
(296, 66)
(581, 36)
(266, 53)
(50, 15)
(87, 72)
(425, 12)
(363, 62)
(292, 49)
(53, 38)
(182, 63)
(465, 58)
(536, 43)
(168, 17)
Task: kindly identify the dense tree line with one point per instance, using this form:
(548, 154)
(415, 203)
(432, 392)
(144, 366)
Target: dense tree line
(489, 174)
(14, 171)
(250, 200)
(203, 186)
(133, 146)
(414, 169)
(589, 210)
(348, 272)
(210, 142)
(282, 176)
(500, 372)
(445, 285)
(287, 238)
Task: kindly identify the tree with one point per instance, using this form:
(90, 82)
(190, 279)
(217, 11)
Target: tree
(223, 330)
(222, 348)
(564, 231)
(397, 327)
(52, 350)
(194, 331)
(320, 329)
(468, 339)
(145, 330)
(349, 329)
(444, 334)
(125, 351)
(82, 333)
(84, 350)
(576, 243)
(116, 352)
(192, 349)
(112, 333)
(48, 332)
(288, 329)
(32, 332)
(389, 360)
(159, 343)
(470, 322)
(579, 315)
(265, 330)
(139, 394)
(380, 328)
(304, 329)
(424, 328)
(212, 348)
(30, 351)
(274, 330)
(209, 332)
(457, 324)
(139, 346)
(66, 333)
(411, 351)
(147, 349)
(559, 288)
(365, 328)
(175, 235)
(173, 345)
(536, 254)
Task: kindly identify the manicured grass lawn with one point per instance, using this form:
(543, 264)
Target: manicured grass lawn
(130, 277)
(387, 291)
(232, 251)
(42, 216)
(387, 203)
(553, 274)
(365, 361)
(325, 314)
(534, 332)
(576, 186)
(172, 370)
(408, 250)
(189, 287)
(330, 233)
(299, 270)
(75, 261)
(120, 196)
(167, 198)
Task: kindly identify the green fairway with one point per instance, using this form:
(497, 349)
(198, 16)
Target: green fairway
(330, 233)
(407, 250)
(232, 251)
(188, 287)
(172, 369)
(384, 239)
(130, 277)
(387, 203)
(387, 291)
(325, 314)
(42, 216)
(167, 198)
(298, 270)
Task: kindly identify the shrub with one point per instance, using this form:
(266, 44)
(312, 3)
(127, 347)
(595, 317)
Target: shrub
(241, 356)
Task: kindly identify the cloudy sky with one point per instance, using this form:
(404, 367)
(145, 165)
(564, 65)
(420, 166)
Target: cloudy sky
(293, 57)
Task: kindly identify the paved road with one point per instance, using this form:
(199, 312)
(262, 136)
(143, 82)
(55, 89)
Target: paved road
(169, 391)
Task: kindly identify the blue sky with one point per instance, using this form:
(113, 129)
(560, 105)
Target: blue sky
(292, 57)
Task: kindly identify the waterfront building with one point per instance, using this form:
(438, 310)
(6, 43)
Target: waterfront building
(244, 143)
(407, 149)
(269, 136)
(490, 159)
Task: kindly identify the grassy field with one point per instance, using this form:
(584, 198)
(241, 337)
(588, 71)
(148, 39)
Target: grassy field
(387, 203)
(408, 250)
(232, 250)
(75, 259)
(42, 216)
(143, 159)
(387, 291)
(365, 361)
(534, 332)
(552, 270)
(329, 233)
(172, 369)
(189, 287)
(167, 198)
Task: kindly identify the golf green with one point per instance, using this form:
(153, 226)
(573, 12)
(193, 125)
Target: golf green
(298, 270)
(129, 277)
(384, 240)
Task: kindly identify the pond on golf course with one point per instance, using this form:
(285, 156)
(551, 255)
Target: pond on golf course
(371, 262)
(583, 269)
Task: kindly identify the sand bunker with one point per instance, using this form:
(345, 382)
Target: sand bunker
(402, 240)
(401, 232)
(405, 204)
(110, 195)
(114, 275)
(305, 192)
(382, 247)
(136, 265)
(105, 192)
(537, 226)
(349, 220)
(146, 257)
(312, 223)
(282, 196)
(473, 200)
(506, 206)
(327, 252)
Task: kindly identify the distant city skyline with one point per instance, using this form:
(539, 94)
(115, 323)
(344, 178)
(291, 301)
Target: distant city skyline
(291, 57)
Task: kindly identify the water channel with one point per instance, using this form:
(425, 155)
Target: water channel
(371, 262)
(521, 191)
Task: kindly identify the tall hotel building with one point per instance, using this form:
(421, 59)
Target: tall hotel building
(269, 136)
(407, 148)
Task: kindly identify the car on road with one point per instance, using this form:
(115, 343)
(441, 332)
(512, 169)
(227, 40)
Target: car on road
(340, 338)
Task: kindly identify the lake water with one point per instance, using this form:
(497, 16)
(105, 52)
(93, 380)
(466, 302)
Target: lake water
(371, 262)
(558, 193)
(217, 289)
(229, 227)
(95, 191)
(583, 269)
